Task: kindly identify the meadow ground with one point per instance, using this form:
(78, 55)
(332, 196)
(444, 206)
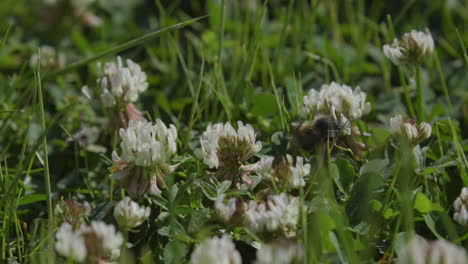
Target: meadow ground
(120, 140)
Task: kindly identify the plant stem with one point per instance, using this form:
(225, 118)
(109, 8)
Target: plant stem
(409, 103)
(44, 146)
(419, 95)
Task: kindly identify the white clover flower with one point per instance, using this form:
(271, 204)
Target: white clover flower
(399, 126)
(278, 212)
(146, 144)
(298, 172)
(339, 102)
(147, 150)
(415, 47)
(48, 57)
(424, 130)
(224, 148)
(461, 208)
(217, 250)
(280, 253)
(225, 210)
(70, 244)
(410, 131)
(129, 214)
(285, 174)
(102, 240)
(265, 166)
(72, 211)
(221, 144)
(121, 85)
(420, 251)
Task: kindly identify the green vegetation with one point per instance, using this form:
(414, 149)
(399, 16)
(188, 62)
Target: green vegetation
(368, 193)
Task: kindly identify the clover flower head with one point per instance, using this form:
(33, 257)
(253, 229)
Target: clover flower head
(146, 144)
(280, 252)
(70, 243)
(119, 84)
(403, 127)
(221, 144)
(220, 250)
(277, 213)
(420, 251)
(48, 57)
(338, 101)
(284, 173)
(147, 150)
(227, 149)
(72, 211)
(103, 242)
(130, 214)
(414, 48)
(95, 242)
(225, 210)
(461, 208)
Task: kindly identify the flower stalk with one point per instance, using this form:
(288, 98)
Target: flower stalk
(419, 94)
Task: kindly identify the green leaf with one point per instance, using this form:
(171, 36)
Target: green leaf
(208, 190)
(346, 171)
(380, 135)
(367, 187)
(428, 170)
(174, 252)
(422, 203)
(376, 165)
(32, 198)
(430, 223)
(198, 220)
(173, 192)
(335, 173)
(102, 210)
(224, 186)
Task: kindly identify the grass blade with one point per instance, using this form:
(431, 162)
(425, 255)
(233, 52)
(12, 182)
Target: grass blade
(129, 44)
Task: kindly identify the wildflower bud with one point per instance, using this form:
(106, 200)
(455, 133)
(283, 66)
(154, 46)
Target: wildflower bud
(414, 48)
(420, 251)
(401, 127)
(410, 131)
(216, 250)
(424, 130)
(129, 214)
(461, 208)
(72, 212)
(282, 251)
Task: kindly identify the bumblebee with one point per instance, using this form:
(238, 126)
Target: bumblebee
(309, 133)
